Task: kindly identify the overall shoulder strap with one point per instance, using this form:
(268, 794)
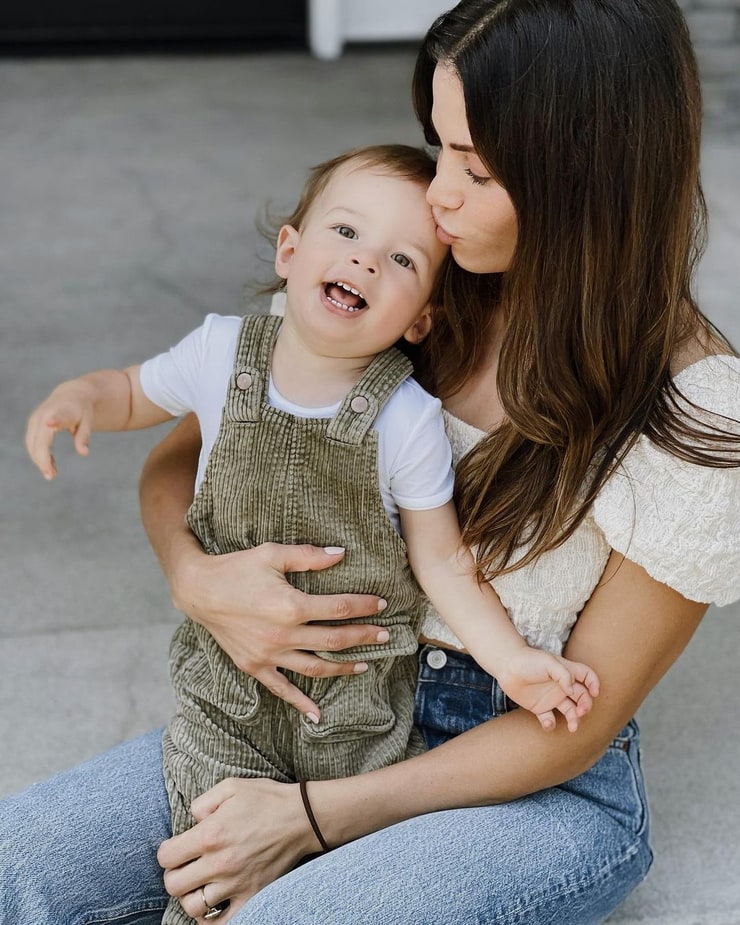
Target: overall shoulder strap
(251, 373)
(364, 402)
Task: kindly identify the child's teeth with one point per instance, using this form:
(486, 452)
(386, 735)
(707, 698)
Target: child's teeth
(349, 289)
(345, 308)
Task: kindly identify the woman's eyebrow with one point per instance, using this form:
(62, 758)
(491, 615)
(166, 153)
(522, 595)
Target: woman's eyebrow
(454, 145)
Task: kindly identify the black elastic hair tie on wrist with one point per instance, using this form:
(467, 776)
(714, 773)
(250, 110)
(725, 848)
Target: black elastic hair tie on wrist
(311, 817)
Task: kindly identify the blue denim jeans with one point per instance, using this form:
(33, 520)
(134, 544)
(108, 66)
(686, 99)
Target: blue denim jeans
(80, 849)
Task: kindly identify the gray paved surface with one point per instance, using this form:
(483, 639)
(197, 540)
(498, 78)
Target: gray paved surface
(126, 212)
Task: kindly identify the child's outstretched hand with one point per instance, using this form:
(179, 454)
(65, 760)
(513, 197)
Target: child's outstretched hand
(69, 407)
(543, 683)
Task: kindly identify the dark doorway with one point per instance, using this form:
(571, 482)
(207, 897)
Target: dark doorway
(85, 23)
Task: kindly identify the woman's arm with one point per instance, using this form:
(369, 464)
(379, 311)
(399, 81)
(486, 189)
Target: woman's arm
(630, 632)
(242, 598)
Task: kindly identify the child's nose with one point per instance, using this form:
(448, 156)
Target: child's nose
(366, 262)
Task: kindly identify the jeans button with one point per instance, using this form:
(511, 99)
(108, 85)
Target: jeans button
(437, 658)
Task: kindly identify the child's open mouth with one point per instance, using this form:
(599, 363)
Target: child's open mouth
(344, 296)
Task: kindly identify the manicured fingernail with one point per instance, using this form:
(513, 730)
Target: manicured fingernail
(360, 667)
(313, 717)
(383, 636)
(382, 604)
(333, 550)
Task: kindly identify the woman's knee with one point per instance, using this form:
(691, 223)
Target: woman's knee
(86, 839)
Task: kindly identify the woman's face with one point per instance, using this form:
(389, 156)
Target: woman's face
(473, 212)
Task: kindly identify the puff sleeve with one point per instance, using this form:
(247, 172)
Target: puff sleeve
(678, 520)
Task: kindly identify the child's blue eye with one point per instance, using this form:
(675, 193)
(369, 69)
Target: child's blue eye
(346, 231)
(402, 259)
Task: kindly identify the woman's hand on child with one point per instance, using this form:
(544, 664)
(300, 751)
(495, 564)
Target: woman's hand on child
(69, 407)
(544, 684)
(247, 834)
(264, 624)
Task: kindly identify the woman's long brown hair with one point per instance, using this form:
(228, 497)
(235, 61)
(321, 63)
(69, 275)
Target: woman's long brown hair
(588, 113)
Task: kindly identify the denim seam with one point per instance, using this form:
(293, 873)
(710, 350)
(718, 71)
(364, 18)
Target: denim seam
(461, 684)
(632, 757)
(573, 889)
(152, 905)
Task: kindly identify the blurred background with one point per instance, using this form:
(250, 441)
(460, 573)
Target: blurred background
(138, 143)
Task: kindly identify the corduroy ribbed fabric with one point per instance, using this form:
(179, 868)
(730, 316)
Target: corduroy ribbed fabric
(274, 477)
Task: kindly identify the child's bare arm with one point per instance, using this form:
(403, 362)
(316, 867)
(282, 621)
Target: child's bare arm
(108, 399)
(539, 681)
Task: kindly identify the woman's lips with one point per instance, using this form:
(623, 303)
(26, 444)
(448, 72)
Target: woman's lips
(444, 236)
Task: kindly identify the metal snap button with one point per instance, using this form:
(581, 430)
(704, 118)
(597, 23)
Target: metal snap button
(243, 381)
(359, 404)
(437, 658)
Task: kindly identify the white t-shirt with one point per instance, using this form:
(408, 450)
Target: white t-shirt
(414, 457)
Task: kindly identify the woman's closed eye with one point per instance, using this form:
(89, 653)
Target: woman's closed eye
(478, 180)
(346, 231)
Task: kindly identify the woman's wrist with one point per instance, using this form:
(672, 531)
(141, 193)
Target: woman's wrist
(310, 815)
(351, 807)
(186, 572)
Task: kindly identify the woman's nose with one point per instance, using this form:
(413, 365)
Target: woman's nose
(442, 192)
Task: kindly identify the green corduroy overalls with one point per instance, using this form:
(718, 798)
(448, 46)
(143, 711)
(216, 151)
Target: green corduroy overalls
(274, 477)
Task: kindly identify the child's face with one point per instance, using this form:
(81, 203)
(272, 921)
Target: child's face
(360, 270)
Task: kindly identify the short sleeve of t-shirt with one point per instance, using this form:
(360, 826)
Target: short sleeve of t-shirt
(414, 448)
(678, 520)
(193, 375)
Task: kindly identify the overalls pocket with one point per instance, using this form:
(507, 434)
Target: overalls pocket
(355, 706)
(204, 675)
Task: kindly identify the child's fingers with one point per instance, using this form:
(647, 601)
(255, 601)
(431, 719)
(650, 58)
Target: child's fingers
(51, 469)
(44, 424)
(39, 438)
(586, 676)
(547, 720)
(569, 710)
(591, 681)
(559, 671)
(582, 699)
(82, 436)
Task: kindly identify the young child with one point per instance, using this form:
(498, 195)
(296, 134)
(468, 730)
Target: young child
(314, 432)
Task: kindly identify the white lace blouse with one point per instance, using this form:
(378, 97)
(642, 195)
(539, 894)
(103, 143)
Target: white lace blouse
(678, 520)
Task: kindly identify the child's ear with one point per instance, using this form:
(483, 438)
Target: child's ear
(287, 240)
(420, 328)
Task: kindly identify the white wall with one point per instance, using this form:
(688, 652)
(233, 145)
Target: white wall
(333, 22)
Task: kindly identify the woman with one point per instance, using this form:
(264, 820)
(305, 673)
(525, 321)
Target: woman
(593, 412)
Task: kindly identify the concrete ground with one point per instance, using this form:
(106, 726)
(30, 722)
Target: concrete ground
(127, 207)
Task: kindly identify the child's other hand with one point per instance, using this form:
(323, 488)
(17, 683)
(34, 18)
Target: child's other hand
(69, 407)
(544, 683)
